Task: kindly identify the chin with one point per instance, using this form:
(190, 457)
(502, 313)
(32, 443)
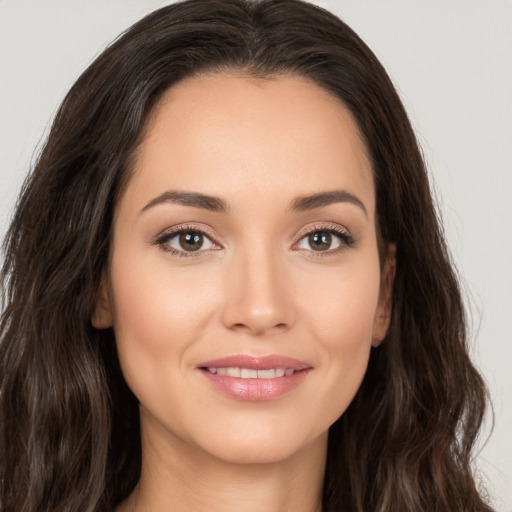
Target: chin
(261, 449)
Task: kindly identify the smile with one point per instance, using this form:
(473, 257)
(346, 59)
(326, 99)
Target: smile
(255, 379)
(250, 373)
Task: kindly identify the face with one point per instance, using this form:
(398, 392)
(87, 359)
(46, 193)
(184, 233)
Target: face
(244, 285)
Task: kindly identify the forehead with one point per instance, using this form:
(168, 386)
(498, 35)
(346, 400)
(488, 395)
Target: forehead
(227, 135)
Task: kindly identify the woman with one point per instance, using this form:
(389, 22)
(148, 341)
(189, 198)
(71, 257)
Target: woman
(226, 285)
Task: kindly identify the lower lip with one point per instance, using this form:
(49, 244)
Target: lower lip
(255, 390)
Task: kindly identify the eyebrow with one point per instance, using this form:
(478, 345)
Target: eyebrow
(215, 204)
(305, 203)
(194, 199)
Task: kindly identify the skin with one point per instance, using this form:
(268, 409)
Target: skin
(258, 288)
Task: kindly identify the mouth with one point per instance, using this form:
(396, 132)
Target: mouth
(250, 373)
(252, 378)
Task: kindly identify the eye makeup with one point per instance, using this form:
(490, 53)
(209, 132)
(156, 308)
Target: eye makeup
(322, 239)
(194, 240)
(318, 235)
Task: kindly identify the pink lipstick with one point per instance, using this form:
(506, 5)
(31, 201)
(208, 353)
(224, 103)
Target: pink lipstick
(253, 378)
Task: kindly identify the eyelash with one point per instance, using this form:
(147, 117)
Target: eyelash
(164, 239)
(346, 240)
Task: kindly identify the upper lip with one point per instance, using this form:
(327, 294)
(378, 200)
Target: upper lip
(256, 362)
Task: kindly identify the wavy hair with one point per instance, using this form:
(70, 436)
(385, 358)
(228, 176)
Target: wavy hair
(69, 425)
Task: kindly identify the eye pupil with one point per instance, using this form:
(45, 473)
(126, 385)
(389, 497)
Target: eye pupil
(191, 241)
(320, 241)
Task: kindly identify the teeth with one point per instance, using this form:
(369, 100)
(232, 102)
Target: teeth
(249, 373)
(233, 372)
(266, 374)
(246, 373)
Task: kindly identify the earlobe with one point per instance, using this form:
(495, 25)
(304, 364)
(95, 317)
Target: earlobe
(383, 313)
(102, 314)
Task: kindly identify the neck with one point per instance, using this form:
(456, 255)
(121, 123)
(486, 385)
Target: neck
(180, 477)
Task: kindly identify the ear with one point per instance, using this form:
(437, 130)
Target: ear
(102, 314)
(383, 314)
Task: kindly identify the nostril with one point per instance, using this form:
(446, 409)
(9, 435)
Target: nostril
(240, 327)
(258, 329)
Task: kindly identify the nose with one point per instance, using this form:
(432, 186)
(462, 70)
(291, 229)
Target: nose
(257, 300)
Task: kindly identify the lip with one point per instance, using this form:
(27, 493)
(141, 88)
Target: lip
(256, 362)
(255, 390)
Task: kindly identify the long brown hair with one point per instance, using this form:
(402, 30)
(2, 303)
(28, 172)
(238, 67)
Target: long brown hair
(69, 425)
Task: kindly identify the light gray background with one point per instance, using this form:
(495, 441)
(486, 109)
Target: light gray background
(451, 61)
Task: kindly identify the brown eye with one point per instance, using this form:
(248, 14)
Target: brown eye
(191, 241)
(184, 242)
(323, 240)
(320, 241)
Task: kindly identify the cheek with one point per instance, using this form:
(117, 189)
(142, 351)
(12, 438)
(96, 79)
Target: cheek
(341, 320)
(343, 304)
(158, 315)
